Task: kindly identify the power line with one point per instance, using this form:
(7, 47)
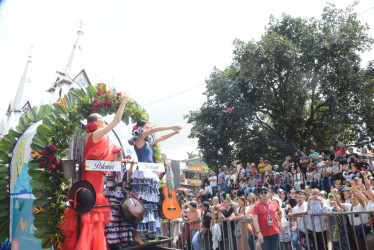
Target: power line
(365, 11)
(184, 91)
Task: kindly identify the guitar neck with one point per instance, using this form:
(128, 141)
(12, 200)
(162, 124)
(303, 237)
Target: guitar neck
(167, 169)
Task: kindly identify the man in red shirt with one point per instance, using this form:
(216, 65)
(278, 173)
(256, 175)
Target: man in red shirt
(265, 220)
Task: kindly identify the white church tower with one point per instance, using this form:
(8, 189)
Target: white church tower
(17, 108)
(61, 86)
(64, 83)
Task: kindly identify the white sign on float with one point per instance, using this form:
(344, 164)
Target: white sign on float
(146, 166)
(92, 165)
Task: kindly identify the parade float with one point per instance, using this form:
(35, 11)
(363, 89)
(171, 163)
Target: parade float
(33, 190)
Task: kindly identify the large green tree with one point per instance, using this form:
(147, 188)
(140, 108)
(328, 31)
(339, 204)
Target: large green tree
(301, 85)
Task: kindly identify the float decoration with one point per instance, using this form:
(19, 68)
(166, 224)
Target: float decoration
(60, 122)
(7, 145)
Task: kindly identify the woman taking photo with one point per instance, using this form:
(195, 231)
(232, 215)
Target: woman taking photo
(144, 184)
(241, 228)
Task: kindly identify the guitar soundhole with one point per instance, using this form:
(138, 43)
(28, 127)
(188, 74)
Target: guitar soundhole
(172, 208)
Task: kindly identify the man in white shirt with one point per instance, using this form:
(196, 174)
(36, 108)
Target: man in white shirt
(320, 164)
(213, 182)
(358, 222)
(207, 194)
(316, 225)
(232, 178)
(297, 215)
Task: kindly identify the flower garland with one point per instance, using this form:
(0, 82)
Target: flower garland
(60, 123)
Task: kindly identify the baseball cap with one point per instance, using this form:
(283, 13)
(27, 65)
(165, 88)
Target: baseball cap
(264, 189)
(301, 191)
(344, 188)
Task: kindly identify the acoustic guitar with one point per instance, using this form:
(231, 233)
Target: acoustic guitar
(170, 206)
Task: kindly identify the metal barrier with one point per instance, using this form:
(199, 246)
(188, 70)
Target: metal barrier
(234, 234)
(334, 230)
(316, 232)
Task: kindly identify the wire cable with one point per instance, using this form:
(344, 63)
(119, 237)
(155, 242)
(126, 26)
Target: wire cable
(365, 11)
(184, 91)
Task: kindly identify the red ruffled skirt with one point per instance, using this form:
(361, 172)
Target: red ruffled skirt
(92, 235)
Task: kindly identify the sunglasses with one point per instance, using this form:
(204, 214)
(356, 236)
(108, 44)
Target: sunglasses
(264, 192)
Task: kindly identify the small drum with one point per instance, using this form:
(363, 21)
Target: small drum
(132, 209)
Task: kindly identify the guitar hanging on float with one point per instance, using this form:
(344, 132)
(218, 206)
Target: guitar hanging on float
(170, 205)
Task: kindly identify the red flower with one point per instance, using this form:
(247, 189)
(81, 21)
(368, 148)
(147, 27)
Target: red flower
(52, 167)
(99, 93)
(42, 164)
(91, 127)
(53, 148)
(93, 108)
(128, 157)
(229, 110)
(116, 150)
(119, 94)
(57, 163)
(95, 100)
(44, 152)
(50, 158)
(134, 127)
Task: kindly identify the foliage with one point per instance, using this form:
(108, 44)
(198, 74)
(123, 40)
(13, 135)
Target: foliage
(300, 86)
(191, 155)
(60, 122)
(157, 154)
(6, 147)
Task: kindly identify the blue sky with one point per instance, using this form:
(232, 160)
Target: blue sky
(153, 49)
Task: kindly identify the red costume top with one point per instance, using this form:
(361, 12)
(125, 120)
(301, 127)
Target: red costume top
(93, 223)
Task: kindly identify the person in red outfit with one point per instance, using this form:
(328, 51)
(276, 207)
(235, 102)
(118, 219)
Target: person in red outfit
(265, 221)
(98, 147)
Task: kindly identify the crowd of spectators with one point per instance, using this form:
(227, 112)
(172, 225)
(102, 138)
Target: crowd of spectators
(221, 213)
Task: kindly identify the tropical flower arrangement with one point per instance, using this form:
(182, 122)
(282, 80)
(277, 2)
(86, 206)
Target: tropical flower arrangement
(60, 123)
(49, 159)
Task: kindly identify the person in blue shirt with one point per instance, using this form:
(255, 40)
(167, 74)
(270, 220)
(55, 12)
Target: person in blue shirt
(221, 174)
(248, 170)
(223, 189)
(313, 154)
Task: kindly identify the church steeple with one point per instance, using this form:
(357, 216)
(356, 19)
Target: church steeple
(18, 99)
(70, 61)
(15, 108)
(63, 81)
